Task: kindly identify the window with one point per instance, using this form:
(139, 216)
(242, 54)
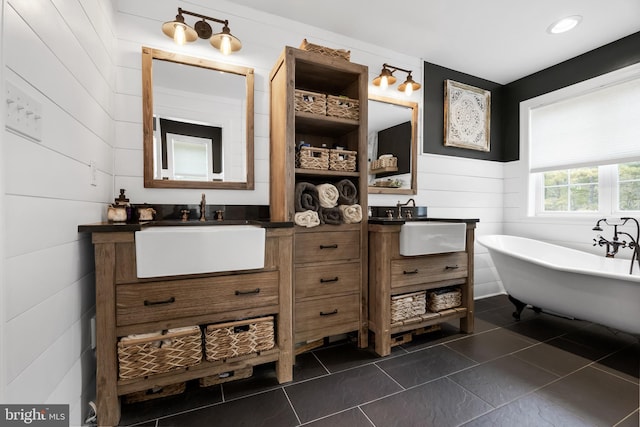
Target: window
(584, 147)
(605, 189)
(629, 187)
(571, 190)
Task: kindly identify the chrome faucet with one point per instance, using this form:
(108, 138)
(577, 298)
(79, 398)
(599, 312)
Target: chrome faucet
(400, 205)
(615, 244)
(203, 208)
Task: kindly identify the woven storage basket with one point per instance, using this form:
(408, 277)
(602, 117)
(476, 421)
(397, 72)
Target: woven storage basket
(342, 160)
(225, 377)
(343, 107)
(334, 53)
(141, 357)
(313, 158)
(155, 393)
(443, 299)
(407, 306)
(310, 102)
(386, 164)
(231, 339)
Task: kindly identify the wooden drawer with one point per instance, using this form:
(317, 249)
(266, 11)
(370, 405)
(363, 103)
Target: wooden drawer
(323, 317)
(319, 280)
(429, 268)
(327, 246)
(153, 301)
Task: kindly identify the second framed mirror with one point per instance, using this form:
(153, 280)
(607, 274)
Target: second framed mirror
(392, 145)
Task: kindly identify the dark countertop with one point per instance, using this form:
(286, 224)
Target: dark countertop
(400, 221)
(113, 227)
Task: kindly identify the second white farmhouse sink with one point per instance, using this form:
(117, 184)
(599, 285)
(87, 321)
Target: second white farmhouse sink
(170, 251)
(426, 237)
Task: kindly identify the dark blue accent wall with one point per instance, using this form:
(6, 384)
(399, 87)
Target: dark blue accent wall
(505, 108)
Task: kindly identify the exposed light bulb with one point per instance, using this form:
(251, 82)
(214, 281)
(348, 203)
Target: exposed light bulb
(384, 82)
(408, 90)
(225, 45)
(179, 35)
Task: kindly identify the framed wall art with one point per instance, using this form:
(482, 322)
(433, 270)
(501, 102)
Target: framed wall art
(467, 116)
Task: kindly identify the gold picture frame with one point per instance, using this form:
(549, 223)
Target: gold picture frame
(467, 116)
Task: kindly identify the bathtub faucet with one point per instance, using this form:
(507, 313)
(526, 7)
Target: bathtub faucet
(615, 244)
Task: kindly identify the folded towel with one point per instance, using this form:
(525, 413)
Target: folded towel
(328, 195)
(306, 197)
(348, 192)
(331, 216)
(306, 219)
(352, 214)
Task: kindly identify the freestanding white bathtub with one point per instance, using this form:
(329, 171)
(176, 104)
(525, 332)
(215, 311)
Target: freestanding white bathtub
(567, 281)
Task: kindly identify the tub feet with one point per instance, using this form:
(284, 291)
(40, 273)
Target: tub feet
(519, 307)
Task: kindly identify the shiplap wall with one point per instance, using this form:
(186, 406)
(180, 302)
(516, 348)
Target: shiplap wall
(61, 54)
(449, 186)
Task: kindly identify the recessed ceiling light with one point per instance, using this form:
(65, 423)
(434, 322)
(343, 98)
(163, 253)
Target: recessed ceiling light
(565, 24)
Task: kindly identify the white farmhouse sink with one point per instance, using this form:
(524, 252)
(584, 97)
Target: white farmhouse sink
(170, 251)
(425, 237)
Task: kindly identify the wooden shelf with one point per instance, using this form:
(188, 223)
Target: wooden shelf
(318, 172)
(324, 125)
(204, 369)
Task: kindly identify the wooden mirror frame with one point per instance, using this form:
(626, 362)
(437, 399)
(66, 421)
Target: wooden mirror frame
(413, 189)
(148, 55)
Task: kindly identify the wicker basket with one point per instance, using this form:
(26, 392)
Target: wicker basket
(143, 356)
(155, 393)
(231, 339)
(333, 53)
(312, 158)
(310, 102)
(343, 107)
(386, 164)
(342, 160)
(407, 306)
(443, 299)
(225, 377)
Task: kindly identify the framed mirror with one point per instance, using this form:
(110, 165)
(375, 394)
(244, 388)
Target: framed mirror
(392, 145)
(197, 117)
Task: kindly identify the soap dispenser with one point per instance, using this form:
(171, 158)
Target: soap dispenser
(120, 210)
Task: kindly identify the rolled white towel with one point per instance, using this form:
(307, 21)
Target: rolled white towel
(328, 195)
(307, 218)
(352, 213)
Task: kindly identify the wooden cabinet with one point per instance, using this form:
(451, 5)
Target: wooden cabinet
(391, 275)
(126, 305)
(330, 261)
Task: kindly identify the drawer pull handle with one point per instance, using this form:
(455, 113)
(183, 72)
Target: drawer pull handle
(410, 272)
(335, 279)
(328, 313)
(334, 246)
(255, 291)
(451, 267)
(168, 301)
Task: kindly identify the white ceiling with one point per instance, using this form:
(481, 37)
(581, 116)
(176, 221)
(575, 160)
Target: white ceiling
(498, 40)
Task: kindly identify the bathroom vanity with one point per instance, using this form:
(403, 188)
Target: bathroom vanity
(127, 305)
(393, 276)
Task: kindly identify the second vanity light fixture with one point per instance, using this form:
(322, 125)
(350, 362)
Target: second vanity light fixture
(181, 33)
(387, 78)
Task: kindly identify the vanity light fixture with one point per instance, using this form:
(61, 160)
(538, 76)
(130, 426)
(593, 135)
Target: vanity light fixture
(181, 33)
(565, 24)
(387, 78)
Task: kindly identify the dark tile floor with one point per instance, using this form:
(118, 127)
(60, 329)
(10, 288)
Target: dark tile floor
(541, 371)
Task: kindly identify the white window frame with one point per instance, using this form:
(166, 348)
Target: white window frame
(608, 196)
(533, 185)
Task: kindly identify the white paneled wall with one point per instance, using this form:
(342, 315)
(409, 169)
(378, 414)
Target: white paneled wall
(450, 186)
(60, 53)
